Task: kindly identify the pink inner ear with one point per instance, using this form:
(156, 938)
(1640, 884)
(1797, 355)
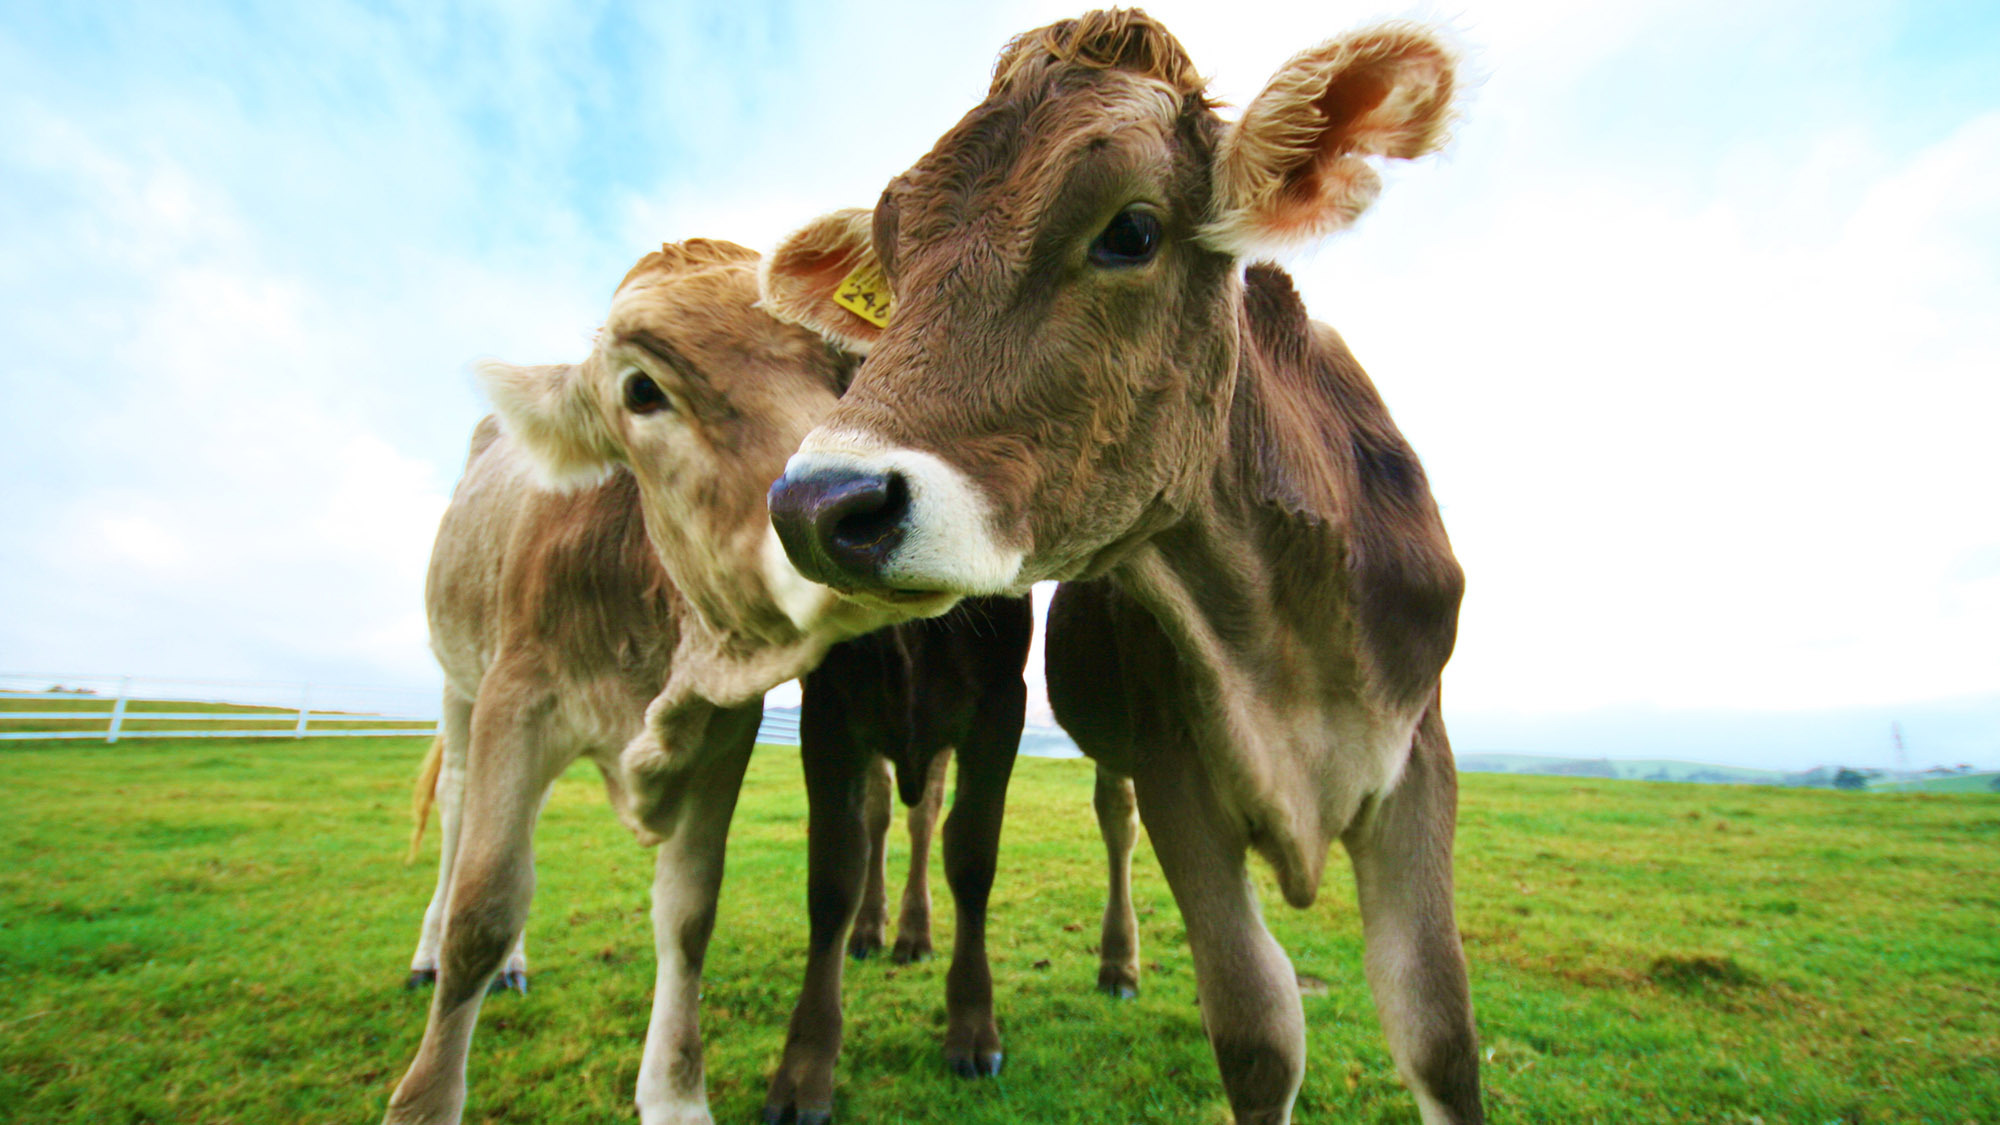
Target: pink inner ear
(815, 273)
(1325, 195)
(1390, 107)
(1345, 105)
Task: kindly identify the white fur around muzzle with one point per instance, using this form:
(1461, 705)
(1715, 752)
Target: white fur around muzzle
(948, 542)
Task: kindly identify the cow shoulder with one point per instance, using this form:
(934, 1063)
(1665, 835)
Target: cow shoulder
(563, 582)
(1327, 455)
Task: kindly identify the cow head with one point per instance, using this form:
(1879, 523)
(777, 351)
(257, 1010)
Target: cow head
(1053, 380)
(702, 396)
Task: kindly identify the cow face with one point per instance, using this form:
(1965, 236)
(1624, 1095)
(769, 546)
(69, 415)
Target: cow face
(703, 397)
(1053, 381)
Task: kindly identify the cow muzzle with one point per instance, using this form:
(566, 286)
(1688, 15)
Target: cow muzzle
(890, 524)
(840, 526)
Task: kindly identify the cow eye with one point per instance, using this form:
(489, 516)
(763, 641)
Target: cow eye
(1130, 239)
(643, 396)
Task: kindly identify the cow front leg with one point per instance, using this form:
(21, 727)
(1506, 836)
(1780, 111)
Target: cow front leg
(871, 923)
(971, 850)
(1249, 995)
(1401, 852)
(839, 779)
(913, 928)
(492, 881)
(685, 775)
(1118, 948)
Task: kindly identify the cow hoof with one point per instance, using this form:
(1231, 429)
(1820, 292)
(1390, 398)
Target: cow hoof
(419, 978)
(909, 952)
(1117, 983)
(983, 1065)
(513, 980)
(861, 947)
(784, 1115)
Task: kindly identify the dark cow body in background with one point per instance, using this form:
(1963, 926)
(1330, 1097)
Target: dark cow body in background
(642, 612)
(913, 694)
(1080, 381)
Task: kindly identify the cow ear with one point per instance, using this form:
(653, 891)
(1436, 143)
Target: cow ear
(545, 409)
(1292, 170)
(825, 277)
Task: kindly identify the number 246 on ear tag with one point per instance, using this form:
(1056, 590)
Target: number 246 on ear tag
(865, 293)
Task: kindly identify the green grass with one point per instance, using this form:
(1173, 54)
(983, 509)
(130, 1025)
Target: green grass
(216, 931)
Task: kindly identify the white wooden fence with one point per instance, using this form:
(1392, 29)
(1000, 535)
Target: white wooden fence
(114, 708)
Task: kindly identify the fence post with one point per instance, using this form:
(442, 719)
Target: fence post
(118, 710)
(305, 711)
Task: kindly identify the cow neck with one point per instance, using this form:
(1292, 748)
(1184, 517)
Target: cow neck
(1256, 557)
(1263, 587)
(735, 643)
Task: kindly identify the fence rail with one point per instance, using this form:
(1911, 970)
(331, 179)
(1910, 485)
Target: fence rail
(114, 708)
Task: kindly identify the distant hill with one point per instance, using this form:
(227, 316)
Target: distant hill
(1663, 769)
(1043, 740)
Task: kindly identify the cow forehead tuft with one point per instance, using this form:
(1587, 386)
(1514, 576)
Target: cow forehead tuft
(1115, 39)
(689, 255)
(697, 304)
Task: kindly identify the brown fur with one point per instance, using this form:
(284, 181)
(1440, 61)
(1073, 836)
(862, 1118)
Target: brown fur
(1121, 38)
(633, 618)
(1280, 596)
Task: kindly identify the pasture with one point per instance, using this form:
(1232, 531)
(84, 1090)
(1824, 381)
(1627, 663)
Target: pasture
(218, 931)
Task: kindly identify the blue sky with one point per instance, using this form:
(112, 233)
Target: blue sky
(1692, 325)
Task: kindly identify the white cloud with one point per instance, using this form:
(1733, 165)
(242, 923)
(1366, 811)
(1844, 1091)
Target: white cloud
(1691, 463)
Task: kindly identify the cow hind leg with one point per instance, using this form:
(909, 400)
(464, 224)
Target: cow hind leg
(971, 849)
(1401, 852)
(840, 783)
(1118, 948)
(449, 799)
(513, 974)
(913, 928)
(492, 879)
(1248, 993)
(871, 924)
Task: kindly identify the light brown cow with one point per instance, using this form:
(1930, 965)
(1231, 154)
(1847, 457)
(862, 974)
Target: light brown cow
(1079, 380)
(558, 614)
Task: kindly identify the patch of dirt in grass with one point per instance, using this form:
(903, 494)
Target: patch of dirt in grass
(1698, 971)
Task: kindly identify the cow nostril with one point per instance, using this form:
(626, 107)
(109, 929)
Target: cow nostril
(841, 527)
(869, 521)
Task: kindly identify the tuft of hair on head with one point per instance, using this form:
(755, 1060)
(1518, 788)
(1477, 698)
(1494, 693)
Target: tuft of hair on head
(1293, 169)
(691, 254)
(1110, 39)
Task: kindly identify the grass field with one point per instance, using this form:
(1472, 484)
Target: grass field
(217, 932)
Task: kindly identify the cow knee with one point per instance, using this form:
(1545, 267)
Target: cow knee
(1444, 1075)
(477, 940)
(1262, 1075)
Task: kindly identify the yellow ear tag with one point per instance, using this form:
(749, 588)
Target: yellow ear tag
(865, 293)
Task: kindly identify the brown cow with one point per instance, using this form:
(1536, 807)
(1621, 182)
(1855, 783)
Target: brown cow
(559, 614)
(1080, 379)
